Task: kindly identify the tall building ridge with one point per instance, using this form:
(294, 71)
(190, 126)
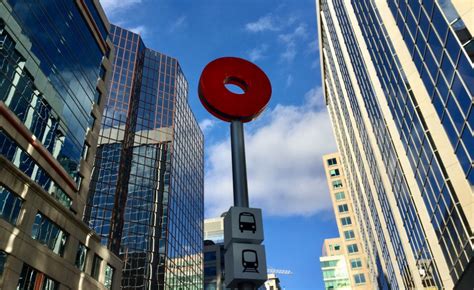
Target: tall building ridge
(146, 196)
(397, 81)
(54, 64)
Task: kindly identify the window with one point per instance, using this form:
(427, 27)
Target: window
(326, 264)
(359, 278)
(10, 205)
(352, 248)
(332, 161)
(102, 72)
(210, 271)
(349, 235)
(337, 247)
(49, 234)
(210, 286)
(334, 172)
(81, 256)
(109, 276)
(336, 184)
(345, 221)
(3, 258)
(328, 274)
(340, 195)
(343, 208)
(31, 278)
(85, 151)
(210, 256)
(356, 263)
(96, 267)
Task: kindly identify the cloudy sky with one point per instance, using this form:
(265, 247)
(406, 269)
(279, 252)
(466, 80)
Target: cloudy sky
(284, 146)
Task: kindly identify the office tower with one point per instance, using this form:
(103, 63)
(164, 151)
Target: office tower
(146, 196)
(397, 79)
(334, 266)
(53, 67)
(350, 240)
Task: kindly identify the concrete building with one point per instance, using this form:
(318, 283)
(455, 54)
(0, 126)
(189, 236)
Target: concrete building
(334, 266)
(54, 63)
(397, 81)
(146, 195)
(214, 253)
(350, 243)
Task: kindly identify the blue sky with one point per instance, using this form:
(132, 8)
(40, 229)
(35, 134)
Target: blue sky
(285, 145)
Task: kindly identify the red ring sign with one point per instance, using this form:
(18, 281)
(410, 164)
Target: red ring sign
(229, 106)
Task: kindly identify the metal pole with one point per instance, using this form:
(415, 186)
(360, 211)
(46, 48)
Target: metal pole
(239, 169)
(239, 176)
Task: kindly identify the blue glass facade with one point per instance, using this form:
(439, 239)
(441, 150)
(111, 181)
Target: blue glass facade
(55, 104)
(442, 49)
(439, 195)
(53, 67)
(146, 196)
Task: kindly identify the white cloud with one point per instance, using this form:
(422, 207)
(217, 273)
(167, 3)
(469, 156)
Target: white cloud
(206, 125)
(112, 6)
(264, 23)
(314, 98)
(140, 29)
(178, 23)
(289, 80)
(257, 52)
(284, 163)
(313, 47)
(290, 42)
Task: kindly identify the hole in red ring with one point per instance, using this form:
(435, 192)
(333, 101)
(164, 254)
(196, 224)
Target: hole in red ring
(235, 85)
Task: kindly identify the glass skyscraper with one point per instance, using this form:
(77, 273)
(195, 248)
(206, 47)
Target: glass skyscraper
(398, 83)
(54, 62)
(146, 199)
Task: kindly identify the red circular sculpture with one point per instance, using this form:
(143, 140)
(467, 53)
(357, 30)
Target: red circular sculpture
(229, 106)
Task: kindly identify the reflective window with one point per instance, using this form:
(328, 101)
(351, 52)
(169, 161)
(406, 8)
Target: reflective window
(343, 208)
(332, 161)
(3, 259)
(95, 270)
(345, 221)
(356, 263)
(340, 195)
(10, 205)
(210, 271)
(337, 184)
(31, 278)
(23, 161)
(359, 278)
(334, 172)
(49, 234)
(209, 256)
(109, 276)
(349, 235)
(81, 256)
(210, 286)
(352, 248)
